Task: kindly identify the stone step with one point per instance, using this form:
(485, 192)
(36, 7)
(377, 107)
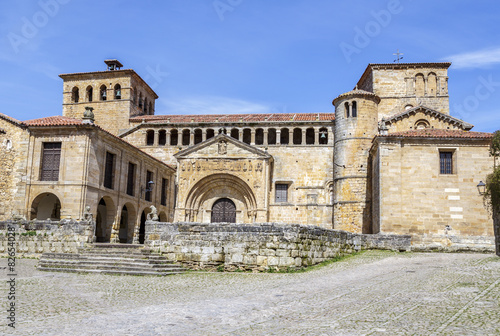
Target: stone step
(164, 268)
(105, 262)
(111, 272)
(104, 255)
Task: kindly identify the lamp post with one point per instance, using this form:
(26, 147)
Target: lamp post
(481, 188)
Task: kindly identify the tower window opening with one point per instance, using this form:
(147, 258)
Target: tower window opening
(346, 107)
(90, 93)
(75, 95)
(102, 92)
(118, 91)
(354, 109)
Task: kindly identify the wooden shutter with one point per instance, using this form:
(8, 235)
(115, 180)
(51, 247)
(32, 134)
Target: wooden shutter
(51, 158)
(446, 162)
(130, 179)
(164, 184)
(108, 170)
(281, 192)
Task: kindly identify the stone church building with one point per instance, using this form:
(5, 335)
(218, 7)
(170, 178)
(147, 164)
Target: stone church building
(389, 159)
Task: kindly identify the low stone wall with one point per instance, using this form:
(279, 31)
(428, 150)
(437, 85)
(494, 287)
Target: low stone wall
(452, 243)
(33, 238)
(259, 246)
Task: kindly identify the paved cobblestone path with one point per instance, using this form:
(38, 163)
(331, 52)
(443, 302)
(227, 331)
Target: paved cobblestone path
(374, 293)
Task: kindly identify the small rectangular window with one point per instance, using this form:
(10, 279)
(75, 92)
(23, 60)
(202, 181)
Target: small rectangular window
(109, 170)
(281, 193)
(51, 158)
(164, 185)
(149, 177)
(446, 162)
(130, 179)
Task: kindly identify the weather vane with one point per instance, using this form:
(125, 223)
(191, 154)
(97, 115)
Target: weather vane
(398, 54)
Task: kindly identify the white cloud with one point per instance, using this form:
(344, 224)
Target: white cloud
(211, 105)
(475, 59)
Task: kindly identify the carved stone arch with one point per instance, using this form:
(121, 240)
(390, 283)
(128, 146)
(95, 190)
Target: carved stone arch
(46, 205)
(421, 124)
(207, 191)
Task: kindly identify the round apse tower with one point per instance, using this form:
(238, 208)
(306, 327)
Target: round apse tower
(356, 123)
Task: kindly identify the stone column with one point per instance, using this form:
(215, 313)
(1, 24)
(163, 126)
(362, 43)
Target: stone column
(167, 140)
(179, 137)
(317, 135)
(191, 137)
(278, 136)
(266, 131)
(252, 137)
(156, 138)
(203, 134)
(304, 132)
(350, 109)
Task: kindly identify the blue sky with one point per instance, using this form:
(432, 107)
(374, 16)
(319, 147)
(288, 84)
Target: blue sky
(247, 56)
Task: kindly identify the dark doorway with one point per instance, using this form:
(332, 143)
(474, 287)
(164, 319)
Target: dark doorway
(101, 222)
(142, 228)
(224, 211)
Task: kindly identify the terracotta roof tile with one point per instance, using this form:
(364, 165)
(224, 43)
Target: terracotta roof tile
(66, 121)
(230, 118)
(54, 121)
(12, 120)
(439, 133)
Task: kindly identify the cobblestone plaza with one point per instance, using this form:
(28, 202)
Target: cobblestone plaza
(373, 293)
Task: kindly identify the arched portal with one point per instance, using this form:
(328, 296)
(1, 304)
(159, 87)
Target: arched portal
(46, 206)
(127, 223)
(205, 193)
(104, 220)
(223, 211)
(142, 228)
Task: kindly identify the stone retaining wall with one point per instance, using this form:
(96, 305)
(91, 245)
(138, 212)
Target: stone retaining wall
(260, 246)
(36, 237)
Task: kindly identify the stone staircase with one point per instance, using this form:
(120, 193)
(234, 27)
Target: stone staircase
(120, 259)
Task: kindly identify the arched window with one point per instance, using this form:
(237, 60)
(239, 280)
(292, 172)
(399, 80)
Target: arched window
(297, 136)
(145, 105)
(150, 108)
(422, 124)
(419, 85)
(323, 136)
(118, 91)
(431, 84)
(210, 133)
(75, 95)
(259, 136)
(103, 92)
(235, 133)
(354, 109)
(150, 138)
(90, 93)
(162, 138)
(247, 135)
(346, 107)
(310, 136)
(134, 96)
(271, 136)
(198, 136)
(140, 100)
(185, 137)
(285, 137)
(174, 137)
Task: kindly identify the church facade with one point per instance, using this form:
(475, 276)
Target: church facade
(390, 159)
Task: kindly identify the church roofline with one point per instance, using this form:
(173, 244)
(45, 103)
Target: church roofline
(357, 93)
(12, 120)
(112, 74)
(217, 138)
(371, 66)
(434, 113)
(438, 134)
(235, 118)
(61, 121)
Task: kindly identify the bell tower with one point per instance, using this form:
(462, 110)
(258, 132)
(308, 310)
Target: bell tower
(356, 123)
(114, 94)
